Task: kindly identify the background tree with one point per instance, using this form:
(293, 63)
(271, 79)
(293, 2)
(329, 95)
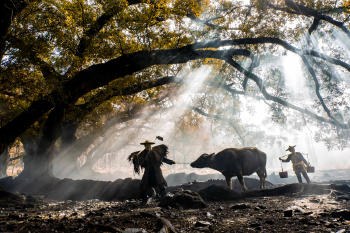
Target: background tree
(70, 67)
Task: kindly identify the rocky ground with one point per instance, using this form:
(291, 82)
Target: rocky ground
(291, 208)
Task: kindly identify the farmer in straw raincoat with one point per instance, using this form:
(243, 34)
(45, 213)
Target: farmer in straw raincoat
(150, 159)
(299, 164)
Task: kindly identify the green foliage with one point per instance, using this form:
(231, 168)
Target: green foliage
(52, 40)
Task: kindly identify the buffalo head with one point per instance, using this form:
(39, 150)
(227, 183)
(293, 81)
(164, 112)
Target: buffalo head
(203, 161)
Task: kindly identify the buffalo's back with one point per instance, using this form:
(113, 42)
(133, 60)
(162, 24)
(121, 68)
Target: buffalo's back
(233, 160)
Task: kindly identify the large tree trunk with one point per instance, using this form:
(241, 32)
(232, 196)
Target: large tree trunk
(4, 159)
(30, 145)
(38, 159)
(65, 161)
(36, 166)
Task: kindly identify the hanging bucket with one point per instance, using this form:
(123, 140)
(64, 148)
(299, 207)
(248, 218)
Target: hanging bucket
(310, 169)
(283, 174)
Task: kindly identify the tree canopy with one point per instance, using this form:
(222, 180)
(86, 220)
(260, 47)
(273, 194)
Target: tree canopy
(70, 68)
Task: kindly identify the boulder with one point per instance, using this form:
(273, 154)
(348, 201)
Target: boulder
(288, 213)
(240, 206)
(344, 214)
(183, 199)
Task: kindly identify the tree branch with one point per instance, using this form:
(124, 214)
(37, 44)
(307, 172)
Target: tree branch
(317, 90)
(82, 110)
(314, 25)
(217, 117)
(271, 40)
(267, 96)
(9, 9)
(49, 73)
(295, 8)
(202, 22)
(101, 74)
(93, 30)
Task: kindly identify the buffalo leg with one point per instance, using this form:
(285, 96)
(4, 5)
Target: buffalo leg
(241, 181)
(261, 175)
(228, 181)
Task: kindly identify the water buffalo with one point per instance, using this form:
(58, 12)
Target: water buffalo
(235, 162)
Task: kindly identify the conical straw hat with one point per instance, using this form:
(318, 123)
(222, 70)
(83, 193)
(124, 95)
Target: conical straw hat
(147, 143)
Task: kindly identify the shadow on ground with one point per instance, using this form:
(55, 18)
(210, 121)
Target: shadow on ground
(127, 189)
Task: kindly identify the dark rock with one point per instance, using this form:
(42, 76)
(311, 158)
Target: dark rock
(305, 221)
(202, 224)
(255, 225)
(344, 214)
(14, 216)
(343, 197)
(324, 214)
(308, 213)
(218, 193)
(28, 206)
(177, 181)
(240, 206)
(183, 199)
(7, 198)
(340, 187)
(146, 214)
(270, 222)
(78, 190)
(288, 213)
(331, 225)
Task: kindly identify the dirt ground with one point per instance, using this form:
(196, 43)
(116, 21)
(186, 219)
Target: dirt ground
(291, 213)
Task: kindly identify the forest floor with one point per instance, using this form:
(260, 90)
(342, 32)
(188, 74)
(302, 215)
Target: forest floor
(291, 212)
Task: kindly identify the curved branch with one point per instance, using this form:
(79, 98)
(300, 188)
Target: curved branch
(314, 25)
(101, 74)
(317, 90)
(80, 111)
(295, 8)
(94, 28)
(271, 40)
(311, 12)
(267, 96)
(217, 117)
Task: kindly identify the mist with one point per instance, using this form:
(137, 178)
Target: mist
(186, 144)
(188, 134)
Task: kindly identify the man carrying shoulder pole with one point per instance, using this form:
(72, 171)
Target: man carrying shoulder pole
(299, 164)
